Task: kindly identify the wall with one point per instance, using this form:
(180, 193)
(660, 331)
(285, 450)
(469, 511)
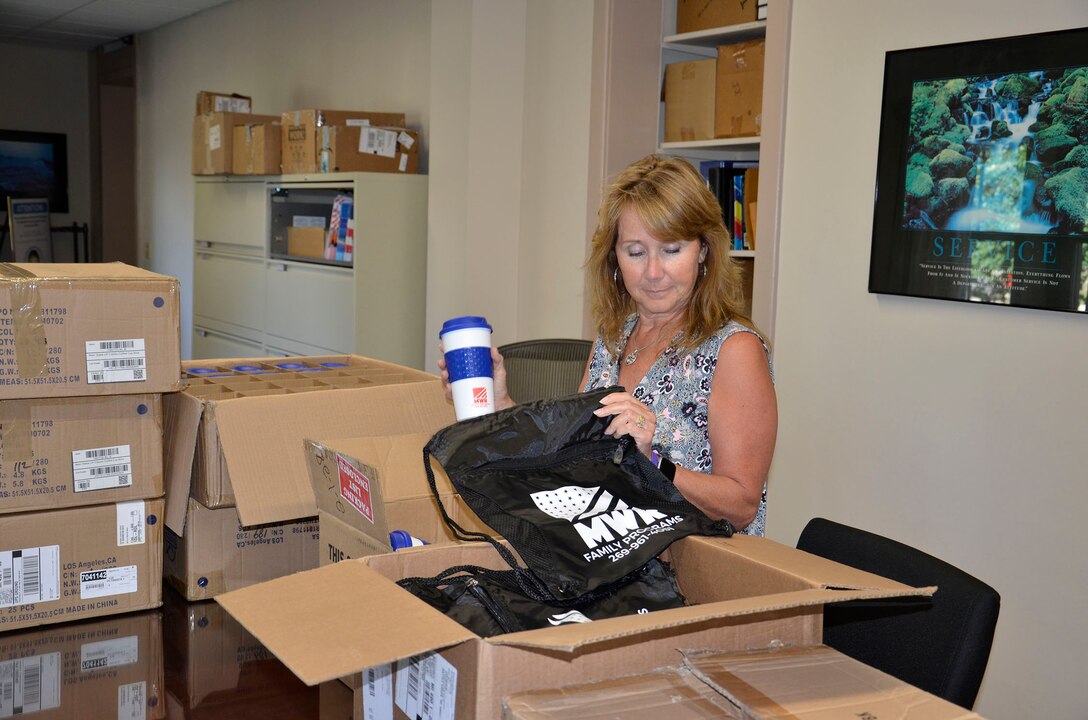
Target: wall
(336, 54)
(957, 428)
(49, 93)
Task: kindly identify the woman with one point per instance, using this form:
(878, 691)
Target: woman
(667, 303)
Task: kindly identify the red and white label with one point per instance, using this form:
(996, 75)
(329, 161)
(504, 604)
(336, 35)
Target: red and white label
(479, 397)
(355, 488)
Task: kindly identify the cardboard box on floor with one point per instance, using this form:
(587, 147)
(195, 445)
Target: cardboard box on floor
(80, 562)
(799, 683)
(738, 90)
(62, 452)
(745, 592)
(237, 440)
(302, 134)
(213, 140)
(368, 486)
(689, 100)
(111, 668)
(75, 329)
(256, 149)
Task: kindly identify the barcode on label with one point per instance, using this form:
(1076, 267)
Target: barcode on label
(109, 470)
(31, 576)
(101, 452)
(129, 362)
(116, 344)
(413, 682)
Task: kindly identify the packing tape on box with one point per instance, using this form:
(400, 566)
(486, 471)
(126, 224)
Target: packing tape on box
(14, 435)
(25, 313)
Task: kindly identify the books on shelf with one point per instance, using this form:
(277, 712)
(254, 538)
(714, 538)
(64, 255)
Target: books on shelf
(735, 183)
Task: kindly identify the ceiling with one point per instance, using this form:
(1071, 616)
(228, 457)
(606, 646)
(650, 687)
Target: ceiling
(87, 24)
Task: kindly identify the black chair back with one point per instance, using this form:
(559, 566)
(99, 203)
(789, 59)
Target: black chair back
(544, 369)
(940, 644)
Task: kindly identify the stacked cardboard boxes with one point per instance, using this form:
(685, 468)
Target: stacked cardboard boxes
(716, 98)
(86, 352)
(218, 115)
(241, 508)
(317, 141)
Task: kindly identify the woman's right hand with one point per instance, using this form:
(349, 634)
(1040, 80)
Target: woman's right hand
(498, 372)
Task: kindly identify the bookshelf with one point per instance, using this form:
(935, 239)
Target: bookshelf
(760, 263)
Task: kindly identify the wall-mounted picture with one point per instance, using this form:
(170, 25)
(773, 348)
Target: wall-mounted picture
(33, 165)
(982, 173)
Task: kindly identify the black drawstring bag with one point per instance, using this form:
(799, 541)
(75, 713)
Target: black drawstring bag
(492, 602)
(584, 511)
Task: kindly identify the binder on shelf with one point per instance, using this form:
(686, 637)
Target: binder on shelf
(735, 184)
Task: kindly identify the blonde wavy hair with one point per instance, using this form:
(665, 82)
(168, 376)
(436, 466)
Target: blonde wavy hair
(674, 202)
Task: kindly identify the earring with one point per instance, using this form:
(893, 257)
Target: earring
(704, 269)
(616, 275)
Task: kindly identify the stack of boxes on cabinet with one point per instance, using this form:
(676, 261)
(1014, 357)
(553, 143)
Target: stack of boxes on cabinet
(228, 139)
(86, 353)
(717, 98)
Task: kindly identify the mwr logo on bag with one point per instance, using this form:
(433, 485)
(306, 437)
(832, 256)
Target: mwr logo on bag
(609, 527)
(582, 509)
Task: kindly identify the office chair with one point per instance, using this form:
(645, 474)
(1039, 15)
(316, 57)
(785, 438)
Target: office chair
(939, 644)
(543, 369)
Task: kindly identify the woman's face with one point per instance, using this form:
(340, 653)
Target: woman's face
(659, 275)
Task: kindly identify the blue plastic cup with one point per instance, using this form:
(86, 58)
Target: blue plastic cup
(401, 539)
(466, 342)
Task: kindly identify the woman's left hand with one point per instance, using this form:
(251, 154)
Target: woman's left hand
(629, 417)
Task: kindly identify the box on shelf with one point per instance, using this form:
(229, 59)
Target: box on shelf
(80, 562)
(304, 138)
(75, 329)
(92, 669)
(739, 89)
(369, 149)
(367, 487)
(802, 683)
(256, 149)
(208, 101)
(745, 592)
(306, 242)
(61, 452)
(694, 15)
(689, 100)
(213, 140)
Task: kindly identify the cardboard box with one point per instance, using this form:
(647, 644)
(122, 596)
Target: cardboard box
(217, 554)
(745, 592)
(256, 149)
(61, 452)
(798, 683)
(306, 241)
(689, 100)
(110, 668)
(217, 666)
(213, 140)
(694, 15)
(80, 562)
(739, 90)
(236, 439)
(213, 102)
(303, 137)
(368, 149)
(366, 487)
(87, 329)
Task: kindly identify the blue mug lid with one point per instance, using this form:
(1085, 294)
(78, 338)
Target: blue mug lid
(291, 366)
(334, 364)
(461, 323)
(201, 370)
(247, 368)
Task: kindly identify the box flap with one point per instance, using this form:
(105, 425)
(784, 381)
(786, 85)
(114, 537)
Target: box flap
(806, 683)
(182, 414)
(262, 438)
(323, 624)
(568, 638)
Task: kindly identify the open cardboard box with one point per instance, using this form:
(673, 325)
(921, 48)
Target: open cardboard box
(780, 683)
(349, 617)
(367, 487)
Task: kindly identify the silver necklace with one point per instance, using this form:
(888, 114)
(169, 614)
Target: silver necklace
(633, 355)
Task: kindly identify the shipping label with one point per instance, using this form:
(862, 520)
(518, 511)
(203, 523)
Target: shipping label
(132, 701)
(29, 575)
(426, 687)
(110, 361)
(108, 581)
(378, 692)
(103, 468)
(131, 527)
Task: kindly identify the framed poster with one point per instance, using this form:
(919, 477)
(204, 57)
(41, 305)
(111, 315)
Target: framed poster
(982, 173)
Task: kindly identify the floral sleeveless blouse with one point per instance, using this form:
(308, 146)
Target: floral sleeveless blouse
(677, 389)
